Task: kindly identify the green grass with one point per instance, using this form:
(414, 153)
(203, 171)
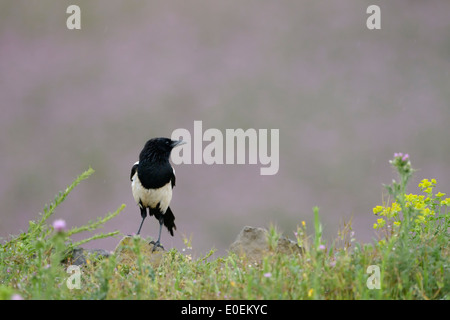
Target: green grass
(410, 259)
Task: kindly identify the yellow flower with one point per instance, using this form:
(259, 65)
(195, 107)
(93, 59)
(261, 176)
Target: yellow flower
(440, 194)
(393, 210)
(310, 292)
(419, 205)
(396, 207)
(427, 186)
(377, 209)
(381, 222)
(396, 223)
(424, 184)
(233, 284)
(303, 223)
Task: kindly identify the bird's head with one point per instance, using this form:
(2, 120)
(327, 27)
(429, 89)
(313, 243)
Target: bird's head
(159, 148)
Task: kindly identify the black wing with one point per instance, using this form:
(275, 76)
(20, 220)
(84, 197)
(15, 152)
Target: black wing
(133, 170)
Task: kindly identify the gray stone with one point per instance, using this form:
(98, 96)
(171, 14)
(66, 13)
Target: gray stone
(126, 252)
(252, 243)
(79, 256)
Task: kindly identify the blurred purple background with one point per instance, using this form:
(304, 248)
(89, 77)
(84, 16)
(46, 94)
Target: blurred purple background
(344, 98)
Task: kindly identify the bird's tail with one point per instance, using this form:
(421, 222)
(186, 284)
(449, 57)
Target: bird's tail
(169, 221)
(168, 218)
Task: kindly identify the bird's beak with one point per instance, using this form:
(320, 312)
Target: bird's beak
(177, 143)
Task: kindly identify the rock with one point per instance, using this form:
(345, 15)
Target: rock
(253, 244)
(79, 256)
(126, 252)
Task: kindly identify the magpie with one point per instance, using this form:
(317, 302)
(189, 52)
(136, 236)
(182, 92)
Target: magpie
(152, 180)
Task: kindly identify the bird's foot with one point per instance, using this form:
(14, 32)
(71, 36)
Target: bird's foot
(155, 245)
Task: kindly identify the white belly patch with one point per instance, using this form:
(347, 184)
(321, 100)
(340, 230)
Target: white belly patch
(151, 197)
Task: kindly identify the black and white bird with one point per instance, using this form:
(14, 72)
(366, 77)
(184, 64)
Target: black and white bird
(152, 181)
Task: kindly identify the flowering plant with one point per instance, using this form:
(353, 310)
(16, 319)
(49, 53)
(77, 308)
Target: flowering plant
(414, 213)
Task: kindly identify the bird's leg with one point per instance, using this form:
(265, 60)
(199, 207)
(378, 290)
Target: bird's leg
(142, 222)
(158, 243)
(143, 215)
